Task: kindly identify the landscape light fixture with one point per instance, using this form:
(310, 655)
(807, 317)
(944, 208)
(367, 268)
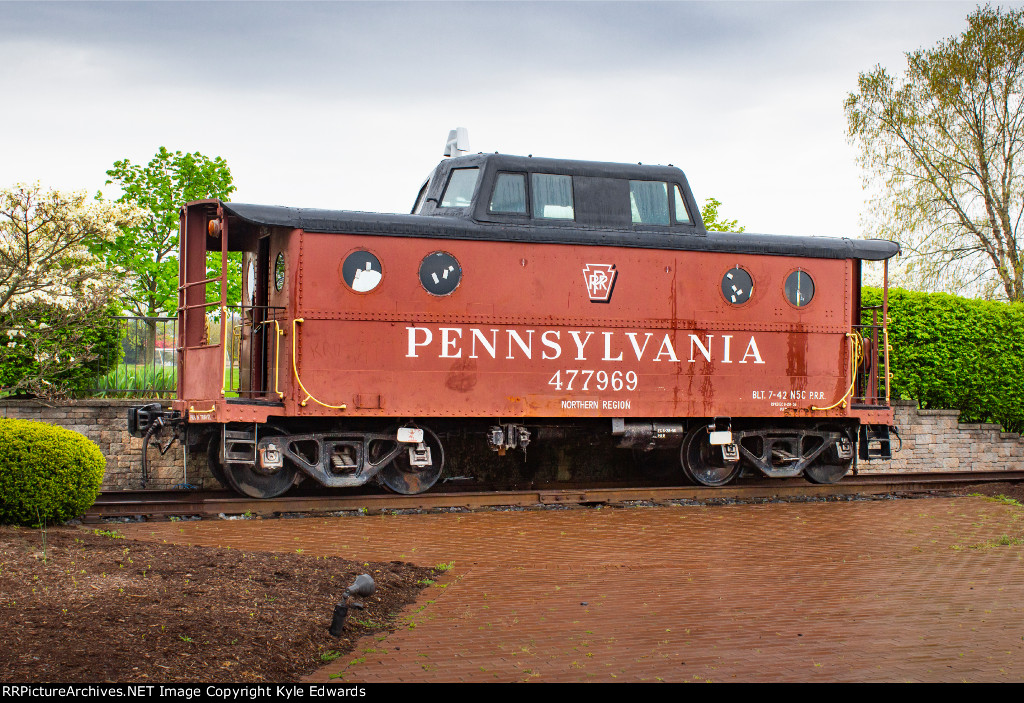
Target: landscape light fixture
(362, 587)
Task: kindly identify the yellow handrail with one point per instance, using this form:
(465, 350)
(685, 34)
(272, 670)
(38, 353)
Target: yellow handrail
(295, 369)
(856, 354)
(277, 357)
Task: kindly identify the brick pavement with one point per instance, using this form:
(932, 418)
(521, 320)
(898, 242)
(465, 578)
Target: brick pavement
(907, 590)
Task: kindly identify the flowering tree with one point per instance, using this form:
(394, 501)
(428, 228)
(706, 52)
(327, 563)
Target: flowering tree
(55, 297)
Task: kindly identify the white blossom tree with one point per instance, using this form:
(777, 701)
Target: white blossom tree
(55, 297)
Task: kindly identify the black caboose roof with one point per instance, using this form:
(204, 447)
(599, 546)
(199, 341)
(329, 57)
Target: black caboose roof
(601, 215)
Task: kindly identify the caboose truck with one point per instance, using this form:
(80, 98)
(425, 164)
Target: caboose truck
(522, 300)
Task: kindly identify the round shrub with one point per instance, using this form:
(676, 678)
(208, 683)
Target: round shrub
(48, 475)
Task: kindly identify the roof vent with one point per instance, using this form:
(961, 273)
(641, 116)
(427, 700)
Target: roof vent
(458, 142)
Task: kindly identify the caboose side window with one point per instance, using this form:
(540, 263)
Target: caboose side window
(799, 288)
(682, 216)
(509, 194)
(648, 201)
(279, 271)
(461, 184)
(421, 198)
(552, 196)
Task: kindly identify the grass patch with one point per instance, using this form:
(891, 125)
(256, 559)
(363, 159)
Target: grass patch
(1004, 541)
(136, 381)
(1005, 500)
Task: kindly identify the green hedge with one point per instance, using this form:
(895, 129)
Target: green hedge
(48, 474)
(958, 353)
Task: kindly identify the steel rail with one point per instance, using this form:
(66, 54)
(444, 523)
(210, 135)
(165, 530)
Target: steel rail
(164, 503)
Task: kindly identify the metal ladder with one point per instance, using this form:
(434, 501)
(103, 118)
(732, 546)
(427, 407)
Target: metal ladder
(875, 442)
(230, 439)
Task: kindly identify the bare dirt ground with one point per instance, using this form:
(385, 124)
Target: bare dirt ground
(91, 606)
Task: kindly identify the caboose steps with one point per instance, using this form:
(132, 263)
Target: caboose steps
(239, 447)
(875, 442)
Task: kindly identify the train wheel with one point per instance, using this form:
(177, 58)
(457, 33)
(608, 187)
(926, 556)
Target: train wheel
(400, 476)
(247, 480)
(826, 473)
(829, 467)
(214, 463)
(257, 483)
(702, 461)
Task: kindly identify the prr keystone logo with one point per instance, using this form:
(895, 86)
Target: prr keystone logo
(600, 280)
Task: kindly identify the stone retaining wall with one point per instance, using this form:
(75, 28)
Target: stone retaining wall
(106, 423)
(933, 440)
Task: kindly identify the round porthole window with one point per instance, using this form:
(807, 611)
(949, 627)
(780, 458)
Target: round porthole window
(279, 271)
(799, 288)
(361, 271)
(440, 273)
(737, 286)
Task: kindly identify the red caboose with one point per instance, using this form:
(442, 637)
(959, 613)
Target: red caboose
(521, 297)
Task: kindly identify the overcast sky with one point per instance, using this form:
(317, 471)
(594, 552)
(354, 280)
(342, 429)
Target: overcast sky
(347, 104)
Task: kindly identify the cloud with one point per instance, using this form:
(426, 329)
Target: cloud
(419, 48)
(347, 104)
